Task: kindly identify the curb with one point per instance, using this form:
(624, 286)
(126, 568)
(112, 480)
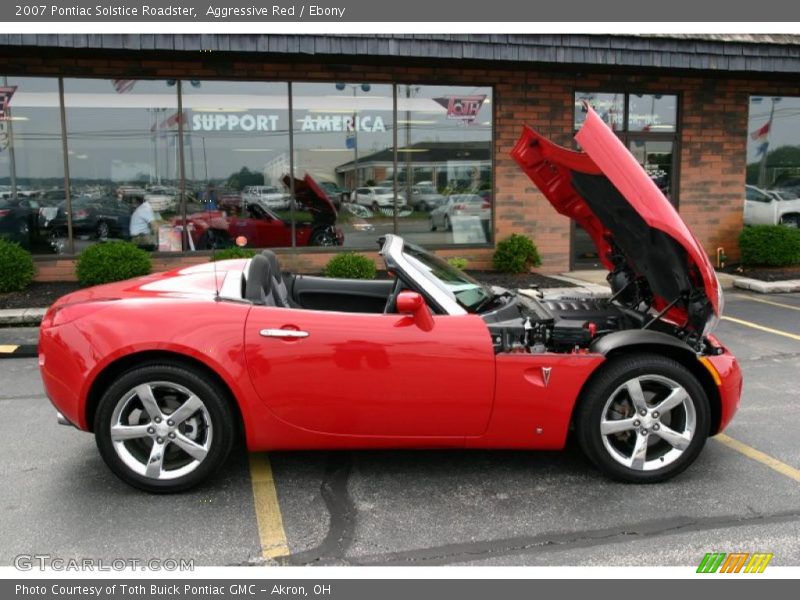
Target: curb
(21, 316)
(767, 287)
(21, 351)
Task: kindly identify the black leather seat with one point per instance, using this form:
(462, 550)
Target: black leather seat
(280, 292)
(260, 281)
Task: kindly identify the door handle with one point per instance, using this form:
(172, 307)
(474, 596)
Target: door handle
(283, 333)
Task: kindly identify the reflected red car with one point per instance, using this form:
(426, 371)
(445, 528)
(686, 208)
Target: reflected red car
(429, 358)
(261, 226)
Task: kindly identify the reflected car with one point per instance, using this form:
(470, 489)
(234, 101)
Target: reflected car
(22, 219)
(771, 207)
(255, 220)
(460, 205)
(270, 196)
(425, 198)
(97, 217)
(377, 198)
(429, 358)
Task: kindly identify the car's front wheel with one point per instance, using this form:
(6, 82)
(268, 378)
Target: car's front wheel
(643, 419)
(163, 428)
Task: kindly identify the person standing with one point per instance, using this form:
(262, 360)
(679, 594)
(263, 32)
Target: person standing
(142, 227)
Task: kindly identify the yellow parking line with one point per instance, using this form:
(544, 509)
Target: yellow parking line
(268, 511)
(8, 348)
(764, 459)
(791, 336)
(763, 301)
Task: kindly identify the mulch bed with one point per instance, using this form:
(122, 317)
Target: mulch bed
(765, 273)
(38, 294)
(43, 294)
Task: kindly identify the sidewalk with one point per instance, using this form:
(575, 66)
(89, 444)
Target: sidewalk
(597, 277)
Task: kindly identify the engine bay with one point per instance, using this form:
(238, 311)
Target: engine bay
(528, 321)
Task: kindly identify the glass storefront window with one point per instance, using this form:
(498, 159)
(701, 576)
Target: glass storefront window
(236, 136)
(647, 125)
(444, 169)
(652, 112)
(191, 165)
(124, 154)
(31, 161)
(610, 107)
(343, 139)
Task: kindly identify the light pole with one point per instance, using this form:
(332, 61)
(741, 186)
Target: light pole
(365, 87)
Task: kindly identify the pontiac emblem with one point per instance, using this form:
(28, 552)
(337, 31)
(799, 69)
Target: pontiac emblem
(546, 375)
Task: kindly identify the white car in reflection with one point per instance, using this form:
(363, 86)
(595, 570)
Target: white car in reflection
(377, 198)
(459, 205)
(274, 197)
(771, 207)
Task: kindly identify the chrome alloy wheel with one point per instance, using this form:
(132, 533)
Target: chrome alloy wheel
(648, 422)
(161, 430)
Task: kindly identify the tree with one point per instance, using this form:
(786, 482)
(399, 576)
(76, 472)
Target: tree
(245, 177)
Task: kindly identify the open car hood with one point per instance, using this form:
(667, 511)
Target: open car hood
(633, 225)
(312, 197)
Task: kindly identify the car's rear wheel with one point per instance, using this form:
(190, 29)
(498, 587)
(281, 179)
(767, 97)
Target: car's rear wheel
(791, 221)
(643, 419)
(163, 428)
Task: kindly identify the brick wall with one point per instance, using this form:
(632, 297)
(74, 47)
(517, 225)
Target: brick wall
(713, 138)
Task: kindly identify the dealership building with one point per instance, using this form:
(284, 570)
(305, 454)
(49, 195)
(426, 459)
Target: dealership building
(89, 121)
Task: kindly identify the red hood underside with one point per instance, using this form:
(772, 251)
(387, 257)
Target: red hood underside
(607, 192)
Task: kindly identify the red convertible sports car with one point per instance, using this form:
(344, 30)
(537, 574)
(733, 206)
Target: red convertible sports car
(428, 358)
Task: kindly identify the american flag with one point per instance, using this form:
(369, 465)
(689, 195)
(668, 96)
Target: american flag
(762, 132)
(122, 86)
(5, 98)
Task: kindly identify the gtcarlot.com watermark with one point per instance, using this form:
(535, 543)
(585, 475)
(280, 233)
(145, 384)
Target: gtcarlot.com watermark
(42, 562)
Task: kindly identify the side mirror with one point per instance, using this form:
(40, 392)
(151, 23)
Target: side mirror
(412, 304)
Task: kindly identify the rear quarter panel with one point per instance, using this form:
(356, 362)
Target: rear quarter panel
(72, 355)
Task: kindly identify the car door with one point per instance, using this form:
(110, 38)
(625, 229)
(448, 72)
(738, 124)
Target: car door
(360, 374)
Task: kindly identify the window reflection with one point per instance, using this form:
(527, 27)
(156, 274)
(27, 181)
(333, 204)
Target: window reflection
(343, 141)
(444, 168)
(31, 161)
(124, 161)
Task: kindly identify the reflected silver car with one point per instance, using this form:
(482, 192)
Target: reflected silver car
(459, 205)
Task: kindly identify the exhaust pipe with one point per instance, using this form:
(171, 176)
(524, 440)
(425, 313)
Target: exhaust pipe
(62, 420)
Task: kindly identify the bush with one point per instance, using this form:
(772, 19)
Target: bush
(233, 252)
(770, 245)
(458, 262)
(105, 262)
(16, 267)
(350, 265)
(516, 254)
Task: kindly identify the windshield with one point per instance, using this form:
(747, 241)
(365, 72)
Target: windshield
(467, 292)
(383, 190)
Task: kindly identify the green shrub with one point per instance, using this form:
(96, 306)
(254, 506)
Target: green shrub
(516, 254)
(350, 265)
(16, 267)
(112, 261)
(770, 245)
(458, 262)
(233, 252)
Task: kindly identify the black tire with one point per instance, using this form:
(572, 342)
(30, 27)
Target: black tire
(605, 395)
(433, 225)
(322, 237)
(791, 221)
(219, 436)
(103, 230)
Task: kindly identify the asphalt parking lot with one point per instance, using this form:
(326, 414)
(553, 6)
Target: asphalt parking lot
(423, 508)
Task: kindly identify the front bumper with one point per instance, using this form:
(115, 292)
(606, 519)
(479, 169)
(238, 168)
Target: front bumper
(729, 386)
